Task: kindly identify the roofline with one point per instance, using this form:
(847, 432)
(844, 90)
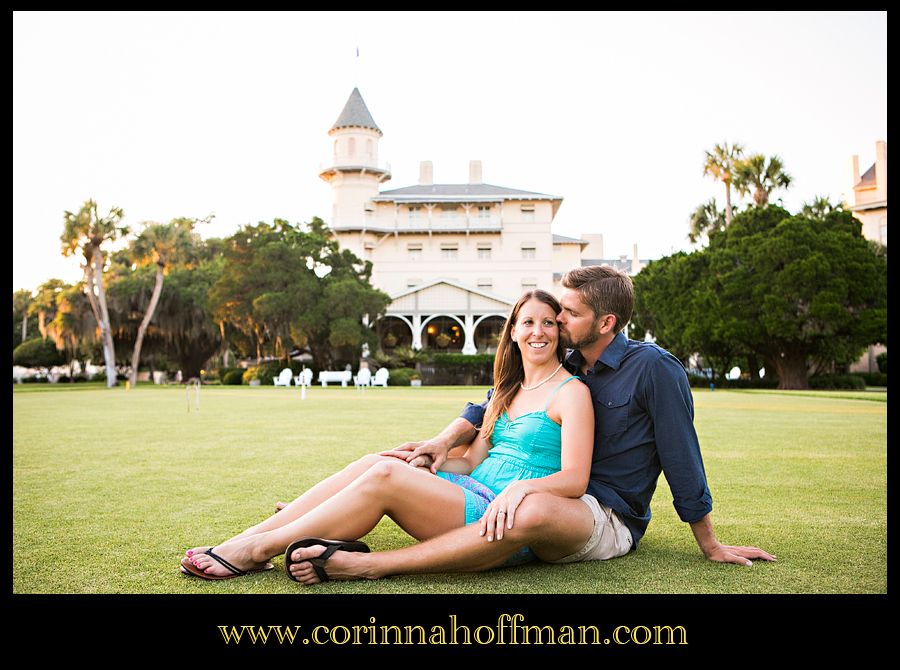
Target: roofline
(356, 125)
(451, 282)
(869, 205)
(583, 243)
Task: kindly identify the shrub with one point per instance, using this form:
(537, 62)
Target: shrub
(37, 353)
(233, 377)
(873, 378)
(266, 372)
(223, 372)
(401, 376)
(451, 369)
(852, 382)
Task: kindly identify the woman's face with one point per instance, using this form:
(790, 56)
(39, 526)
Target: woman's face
(536, 331)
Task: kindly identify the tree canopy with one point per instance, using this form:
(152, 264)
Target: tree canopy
(800, 293)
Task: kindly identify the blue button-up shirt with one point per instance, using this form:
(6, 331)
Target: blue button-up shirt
(644, 425)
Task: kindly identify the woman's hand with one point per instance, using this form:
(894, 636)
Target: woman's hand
(501, 513)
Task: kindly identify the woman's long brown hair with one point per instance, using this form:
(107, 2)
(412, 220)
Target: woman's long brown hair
(509, 372)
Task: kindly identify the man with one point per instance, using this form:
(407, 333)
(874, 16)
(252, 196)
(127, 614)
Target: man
(643, 426)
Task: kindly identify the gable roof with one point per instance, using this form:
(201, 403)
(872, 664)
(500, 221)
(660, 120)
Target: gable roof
(868, 179)
(450, 282)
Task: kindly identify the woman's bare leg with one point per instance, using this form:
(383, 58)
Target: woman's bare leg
(420, 503)
(310, 499)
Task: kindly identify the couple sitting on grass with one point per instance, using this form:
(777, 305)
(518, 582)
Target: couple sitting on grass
(563, 468)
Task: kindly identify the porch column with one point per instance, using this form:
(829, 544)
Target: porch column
(417, 332)
(469, 346)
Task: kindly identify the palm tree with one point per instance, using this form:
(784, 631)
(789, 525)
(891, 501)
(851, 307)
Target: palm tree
(706, 220)
(761, 175)
(162, 244)
(720, 166)
(86, 232)
(819, 208)
(74, 327)
(44, 304)
(21, 300)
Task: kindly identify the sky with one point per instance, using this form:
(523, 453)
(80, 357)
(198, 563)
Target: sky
(227, 113)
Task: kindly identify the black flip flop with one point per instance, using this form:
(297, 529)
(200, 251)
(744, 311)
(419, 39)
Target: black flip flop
(319, 561)
(189, 568)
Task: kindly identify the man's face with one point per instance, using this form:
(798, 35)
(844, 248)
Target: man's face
(578, 326)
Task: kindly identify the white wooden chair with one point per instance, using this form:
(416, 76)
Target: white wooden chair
(283, 379)
(363, 378)
(304, 378)
(381, 377)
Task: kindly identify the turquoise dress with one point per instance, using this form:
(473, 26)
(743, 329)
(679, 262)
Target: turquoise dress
(527, 447)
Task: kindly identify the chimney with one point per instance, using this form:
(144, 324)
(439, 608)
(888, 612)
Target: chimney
(426, 173)
(635, 262)
(594, 249)
(475, 172)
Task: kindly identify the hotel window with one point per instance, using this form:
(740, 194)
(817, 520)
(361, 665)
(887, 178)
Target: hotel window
(352, 146)
(415, 281)
(449, 251)
(369, 148)
(529, 283)
(484, 251)
(414, 251)
(449, 214)
(484, 212)
(486, 283)
(529, 251)
(415, 214)
(527, 213)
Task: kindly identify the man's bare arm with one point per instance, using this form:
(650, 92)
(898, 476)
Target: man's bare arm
(436, 449)
(714, 551)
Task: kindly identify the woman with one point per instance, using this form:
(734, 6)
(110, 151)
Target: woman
(546, 447)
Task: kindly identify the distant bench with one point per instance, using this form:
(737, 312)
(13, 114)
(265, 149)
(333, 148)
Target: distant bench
(343, 376)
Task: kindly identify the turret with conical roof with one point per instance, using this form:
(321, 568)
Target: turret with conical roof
(354, 173)
(356, 114)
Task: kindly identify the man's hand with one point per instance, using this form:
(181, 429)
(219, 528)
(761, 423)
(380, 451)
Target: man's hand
(724, 553)
(424, 453)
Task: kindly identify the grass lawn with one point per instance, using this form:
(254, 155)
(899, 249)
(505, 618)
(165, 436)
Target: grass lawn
(111, 486)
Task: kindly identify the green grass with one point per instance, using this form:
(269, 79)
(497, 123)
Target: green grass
(110, 488)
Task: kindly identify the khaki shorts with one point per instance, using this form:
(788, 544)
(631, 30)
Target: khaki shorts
(609, 539)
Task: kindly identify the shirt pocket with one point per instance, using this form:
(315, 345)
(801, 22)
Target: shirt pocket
(611, 413)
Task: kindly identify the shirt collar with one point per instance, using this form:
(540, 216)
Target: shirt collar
(611, 357)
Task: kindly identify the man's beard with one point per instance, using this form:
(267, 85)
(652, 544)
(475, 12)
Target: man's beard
(591, 337)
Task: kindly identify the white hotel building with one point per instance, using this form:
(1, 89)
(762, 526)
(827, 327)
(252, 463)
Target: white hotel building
(453, 257)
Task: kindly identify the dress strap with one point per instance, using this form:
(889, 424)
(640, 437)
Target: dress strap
(558, 386)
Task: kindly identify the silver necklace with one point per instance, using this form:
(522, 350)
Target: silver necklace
(531, 388)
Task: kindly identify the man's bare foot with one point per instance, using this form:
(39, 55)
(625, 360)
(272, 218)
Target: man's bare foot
(238, 552)
(341, 566)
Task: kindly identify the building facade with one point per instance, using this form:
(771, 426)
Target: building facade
(453, 257)
(867, 200)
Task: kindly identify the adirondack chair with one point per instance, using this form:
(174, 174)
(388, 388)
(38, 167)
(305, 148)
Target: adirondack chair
(283, 379)
(381, 377)
(363, 378)
(304, 378)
